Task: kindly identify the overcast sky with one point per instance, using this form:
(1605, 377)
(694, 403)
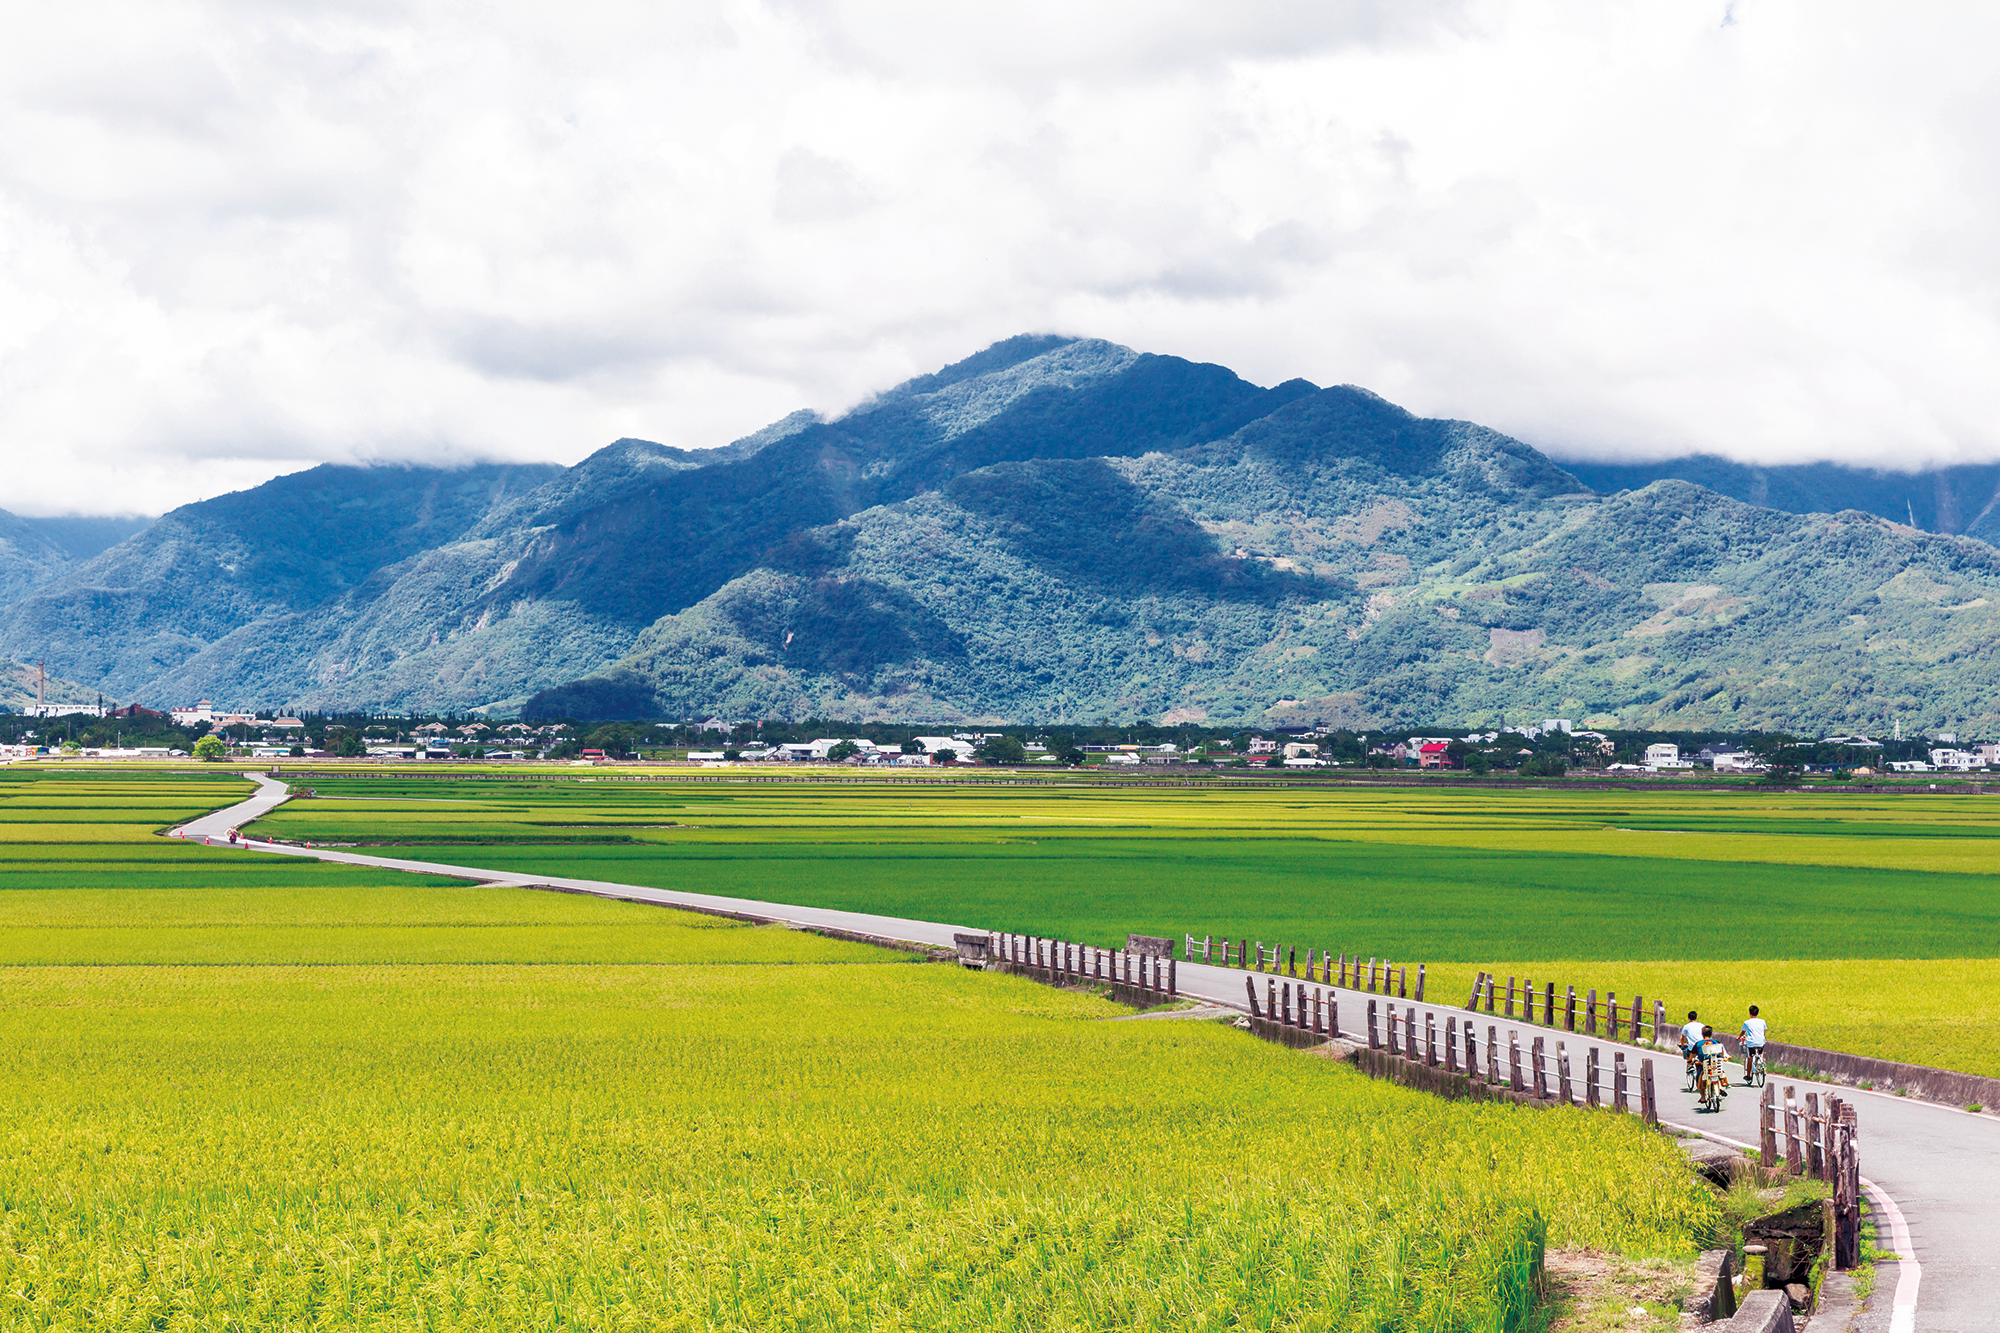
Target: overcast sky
(238, 239)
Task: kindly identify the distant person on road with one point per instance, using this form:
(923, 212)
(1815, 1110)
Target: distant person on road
(1691, 1033)
(1709, 1047)
(1753, 1031)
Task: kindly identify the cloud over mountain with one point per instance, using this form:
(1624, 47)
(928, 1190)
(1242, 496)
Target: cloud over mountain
(236, 240)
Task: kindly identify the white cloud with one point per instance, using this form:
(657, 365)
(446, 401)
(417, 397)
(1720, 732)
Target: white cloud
(238, 239)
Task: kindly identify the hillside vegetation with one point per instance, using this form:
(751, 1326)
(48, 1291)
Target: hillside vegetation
(1052, 530)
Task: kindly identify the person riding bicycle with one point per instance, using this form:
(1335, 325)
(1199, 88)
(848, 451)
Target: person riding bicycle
(1753, 1043)
(1690, 1033)
(1710, 1052)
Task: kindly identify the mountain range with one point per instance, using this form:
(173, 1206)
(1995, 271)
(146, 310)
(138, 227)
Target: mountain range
(1061, 529)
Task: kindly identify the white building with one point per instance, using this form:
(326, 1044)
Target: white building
(1662, 752)
(63, 710)
(1956, 759)
(1562, 724)
(1300, 750)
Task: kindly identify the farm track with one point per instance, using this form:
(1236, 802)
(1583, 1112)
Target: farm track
(1939, 1163)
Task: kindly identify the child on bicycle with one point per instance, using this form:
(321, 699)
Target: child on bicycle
(1753, 1043)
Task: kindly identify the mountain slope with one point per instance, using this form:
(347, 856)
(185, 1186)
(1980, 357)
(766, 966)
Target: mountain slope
(165, 600)
(1053, 529)
(1363, 567)
(1957, 500)
(36, 551)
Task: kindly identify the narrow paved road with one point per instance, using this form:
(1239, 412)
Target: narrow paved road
(1933, 1171)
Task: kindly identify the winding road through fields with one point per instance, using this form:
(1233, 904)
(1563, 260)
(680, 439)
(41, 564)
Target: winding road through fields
(1933, 1171)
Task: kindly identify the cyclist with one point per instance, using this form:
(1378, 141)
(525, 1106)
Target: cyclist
(1690, 1035)
(1753, 1043)
(1710, 1053)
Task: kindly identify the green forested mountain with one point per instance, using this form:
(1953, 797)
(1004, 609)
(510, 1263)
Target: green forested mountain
(1052, 529)
(1963, 499)
(37, 551)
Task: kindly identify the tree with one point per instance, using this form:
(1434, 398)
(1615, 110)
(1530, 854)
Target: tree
(1069, 755)
(348, 745)
(210, 750)
(843, 751)
(944, 754)
(1478, 763)
(1004, 750)
(1543, 766)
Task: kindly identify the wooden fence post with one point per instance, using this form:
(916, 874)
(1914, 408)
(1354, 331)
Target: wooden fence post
(1430, 1040)
(1292, 962)
(1794, 1162)
(1659, 1023)
(1374, 1038)
(1332, 1015)
(1492, 1054)
(1815, 1139)
(1620, 1088)
(1549, 1003)
(1451, 1043)
(1402, 981)
(1309, 963)
(1637, 1003)
(1569, 1015)
(1767, 1127)
(1471, 1051)
(1510, 997)
(1528, 999)
(1271, 998)
(1540, 1057)
(1590, 1078)
(1562, 1074)
(1371, 974)
(1649, 1106)
(1472, 1000)
(1173, 980)
(1590, 1014)
(1420, 983)
(1514, 1061)
(1611, 1014)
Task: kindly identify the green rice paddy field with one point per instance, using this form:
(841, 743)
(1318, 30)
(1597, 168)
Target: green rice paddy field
(1859, 921)
(251, 1093)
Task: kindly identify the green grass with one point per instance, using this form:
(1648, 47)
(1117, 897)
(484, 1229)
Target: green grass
(450, 1122)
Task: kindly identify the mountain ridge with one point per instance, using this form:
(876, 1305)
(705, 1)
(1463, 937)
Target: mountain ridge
(1052, 529)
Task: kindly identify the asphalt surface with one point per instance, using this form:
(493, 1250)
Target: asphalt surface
(1932, 1172)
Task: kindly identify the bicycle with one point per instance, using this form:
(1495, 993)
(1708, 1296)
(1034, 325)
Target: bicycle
(1753, 1067)
(1693, 1069)
(1714, 1084)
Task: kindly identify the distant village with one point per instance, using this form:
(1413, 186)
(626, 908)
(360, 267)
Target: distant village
(1547, 747)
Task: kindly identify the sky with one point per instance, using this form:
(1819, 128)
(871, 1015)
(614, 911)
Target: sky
(240, 239)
